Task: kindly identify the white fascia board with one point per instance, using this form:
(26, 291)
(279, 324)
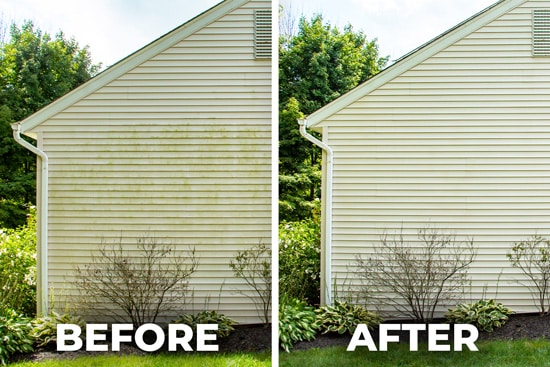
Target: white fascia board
(316, 119)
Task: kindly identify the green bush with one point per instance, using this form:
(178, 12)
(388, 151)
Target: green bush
(344, 318)
(484, 314)
(532, 257)
(253, 265)
(297, 322)
(44, 329)
(225, 324)
(18, 268)
(300, 260)
(15, 336)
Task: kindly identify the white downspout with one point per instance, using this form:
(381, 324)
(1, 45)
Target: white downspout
(328, 209)
(42, 247)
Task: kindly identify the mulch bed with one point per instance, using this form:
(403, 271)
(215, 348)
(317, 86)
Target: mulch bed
(523, 326)
(247, 338)
(257, 338)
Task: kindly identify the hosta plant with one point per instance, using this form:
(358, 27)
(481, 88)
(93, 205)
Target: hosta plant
(15, 336)
(344, 318)
(297, 322)
(225, 324)
(45, 327)
(484, 314)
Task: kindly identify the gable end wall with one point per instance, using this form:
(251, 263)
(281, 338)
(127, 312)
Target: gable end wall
(459, 142)
(179, 148)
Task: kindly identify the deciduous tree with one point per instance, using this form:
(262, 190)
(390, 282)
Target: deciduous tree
(317, 65)
(35, 69)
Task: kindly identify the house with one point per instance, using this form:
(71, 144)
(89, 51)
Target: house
(172, 142)
(454, 135)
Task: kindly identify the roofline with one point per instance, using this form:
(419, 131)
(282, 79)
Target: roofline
(129, 62)
(414, 58)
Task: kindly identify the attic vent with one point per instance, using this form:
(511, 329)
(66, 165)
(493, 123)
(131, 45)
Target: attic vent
(262, 34)
(541, 32)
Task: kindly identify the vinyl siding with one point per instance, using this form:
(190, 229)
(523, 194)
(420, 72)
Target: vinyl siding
(179, 148)
(459, 142)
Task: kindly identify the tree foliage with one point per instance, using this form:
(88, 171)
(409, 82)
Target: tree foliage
(300, 260)
(316, 66)
(18, 268)
(35, 69)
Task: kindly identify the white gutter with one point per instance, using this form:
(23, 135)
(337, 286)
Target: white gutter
(42, 246)
(328, 208)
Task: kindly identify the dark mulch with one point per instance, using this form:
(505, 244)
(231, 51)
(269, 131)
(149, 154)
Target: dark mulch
(246, 338)
(254, 338)
(522, 326)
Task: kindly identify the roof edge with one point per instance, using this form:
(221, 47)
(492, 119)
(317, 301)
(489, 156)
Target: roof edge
(414, 58)
(129, 62)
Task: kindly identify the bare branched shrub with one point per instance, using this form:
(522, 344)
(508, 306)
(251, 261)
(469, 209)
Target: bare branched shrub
(532, 257)
(415, 278)
(141, 285)
(254, 266)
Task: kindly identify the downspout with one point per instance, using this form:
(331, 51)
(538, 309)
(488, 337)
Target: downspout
(328, 209)
(42, 247)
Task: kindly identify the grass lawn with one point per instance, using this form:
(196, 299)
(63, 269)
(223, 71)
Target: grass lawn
(158, 360)
(519, 353)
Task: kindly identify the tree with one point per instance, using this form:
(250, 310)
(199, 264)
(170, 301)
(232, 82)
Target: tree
(316, 66)
(34, 71)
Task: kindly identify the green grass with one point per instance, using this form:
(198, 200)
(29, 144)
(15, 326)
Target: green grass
(159, 360)
(519, 353)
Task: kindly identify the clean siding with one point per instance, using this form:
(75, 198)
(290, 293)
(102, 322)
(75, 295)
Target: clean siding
(179, 148)
(458, 142)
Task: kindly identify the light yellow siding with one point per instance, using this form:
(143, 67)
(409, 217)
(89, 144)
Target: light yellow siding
(459, 142)
(178, 148)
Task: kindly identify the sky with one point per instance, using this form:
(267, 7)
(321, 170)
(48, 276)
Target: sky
(400, 26)
(113, 29)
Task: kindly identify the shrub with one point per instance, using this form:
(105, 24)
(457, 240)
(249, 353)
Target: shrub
(300, 260)
(44, 329)
(344, 318)
(225, 324)
(18, 268)
(254, 266)
(142, 284)
(484, 314)
(415, 278)
(297, 322)
(532, 257)
(15, 336)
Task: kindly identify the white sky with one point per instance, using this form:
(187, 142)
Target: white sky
(113, 29)
(399, 25)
